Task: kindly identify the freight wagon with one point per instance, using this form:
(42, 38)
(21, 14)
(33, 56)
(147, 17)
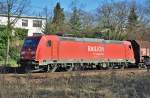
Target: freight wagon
(144, 48)
(52, 52)
(144, 53)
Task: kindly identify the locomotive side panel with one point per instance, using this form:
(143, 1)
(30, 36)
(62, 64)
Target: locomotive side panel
(80, 51)
(119, 52)
(115, 52)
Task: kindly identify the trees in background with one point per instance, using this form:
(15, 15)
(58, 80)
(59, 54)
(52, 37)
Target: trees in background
(142, 30)
(75, 22)
(56, 23)
(132, 21)
(112, 19)
(117, 20)
(59, 17)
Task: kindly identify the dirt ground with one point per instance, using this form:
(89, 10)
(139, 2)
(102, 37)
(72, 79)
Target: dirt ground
(90, 84)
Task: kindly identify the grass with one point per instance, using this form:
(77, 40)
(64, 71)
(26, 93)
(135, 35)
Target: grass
(112, 86)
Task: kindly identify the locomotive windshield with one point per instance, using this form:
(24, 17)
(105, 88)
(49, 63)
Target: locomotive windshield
(31, 42)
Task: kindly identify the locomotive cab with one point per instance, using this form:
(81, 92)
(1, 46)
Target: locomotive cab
(131, 56)
(38, 51)
(28, 51)
(136, 50)
(29, 48)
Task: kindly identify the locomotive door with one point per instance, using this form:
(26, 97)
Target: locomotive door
(54, 50)
(48, 52)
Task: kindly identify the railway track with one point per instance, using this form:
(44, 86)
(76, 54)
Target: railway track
(89, 73)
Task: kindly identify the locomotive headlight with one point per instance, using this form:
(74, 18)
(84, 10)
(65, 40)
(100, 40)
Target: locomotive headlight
(23, 52)
(33, 57)
(22, 57)
(33, 52)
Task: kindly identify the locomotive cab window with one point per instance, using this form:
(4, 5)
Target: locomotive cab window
(49, 43)
(31, 42)
(130, 46)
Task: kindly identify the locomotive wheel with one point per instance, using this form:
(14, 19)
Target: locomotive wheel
(27, 69)
(142, 65)
(30, 69)
(98, 67)
(24, 69)
(104, 66)
(47, 68)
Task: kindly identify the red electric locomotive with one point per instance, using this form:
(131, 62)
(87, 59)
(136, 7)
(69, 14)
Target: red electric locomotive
(52, 52)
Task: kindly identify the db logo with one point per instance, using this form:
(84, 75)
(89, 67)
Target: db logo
(95, 49)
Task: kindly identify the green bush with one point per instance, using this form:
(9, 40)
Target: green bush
(15, 49)
(14, 53)
(2, 54)
(2, 43)
(21, 33)
(2, 28)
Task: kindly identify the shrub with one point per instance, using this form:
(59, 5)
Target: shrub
(21, 33)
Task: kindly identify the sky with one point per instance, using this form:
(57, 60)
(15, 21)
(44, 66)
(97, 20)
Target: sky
(66, 4)
(86, 5)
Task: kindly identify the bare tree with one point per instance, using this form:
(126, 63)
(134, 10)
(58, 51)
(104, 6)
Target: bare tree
(47, 15)
(104, 13)
(13, 8)
(112, 18)
(87, 21)
(143, 12)
(121, 15)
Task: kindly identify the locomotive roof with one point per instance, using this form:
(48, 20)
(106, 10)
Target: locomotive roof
(90, 40)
